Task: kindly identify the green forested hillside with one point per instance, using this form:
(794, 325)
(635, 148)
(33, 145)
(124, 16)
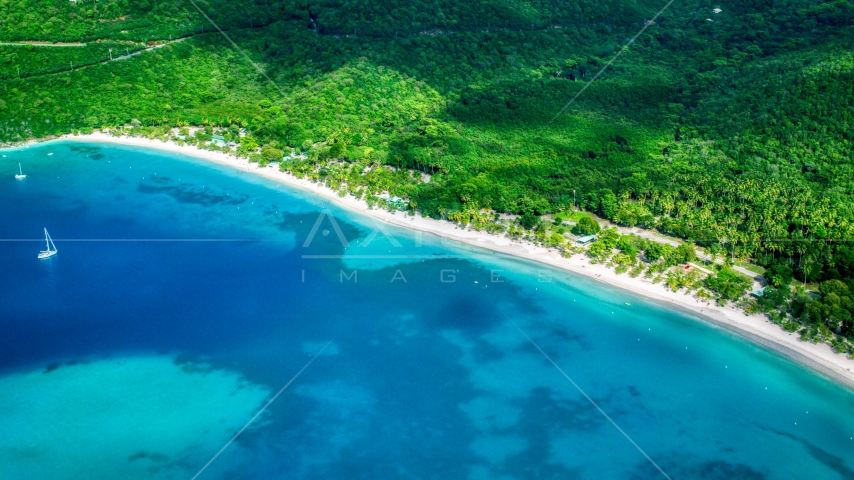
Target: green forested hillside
(731, 128)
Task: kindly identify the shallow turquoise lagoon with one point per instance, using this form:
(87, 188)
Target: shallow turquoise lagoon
(185, 295)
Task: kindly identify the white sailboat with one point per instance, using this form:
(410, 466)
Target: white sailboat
(20, 175)
(49, 246)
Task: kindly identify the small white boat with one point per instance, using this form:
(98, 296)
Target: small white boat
(49, 246)
(49, 154)
(20, 175)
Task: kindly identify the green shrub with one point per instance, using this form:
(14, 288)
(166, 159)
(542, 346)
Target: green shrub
(728, 284)
(586, 226)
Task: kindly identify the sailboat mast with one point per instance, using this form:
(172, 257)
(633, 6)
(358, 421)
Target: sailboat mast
(50, 248)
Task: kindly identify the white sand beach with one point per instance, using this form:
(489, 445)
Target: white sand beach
(755, 327)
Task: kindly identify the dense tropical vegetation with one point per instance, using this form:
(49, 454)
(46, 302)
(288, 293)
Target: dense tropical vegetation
(728, 124)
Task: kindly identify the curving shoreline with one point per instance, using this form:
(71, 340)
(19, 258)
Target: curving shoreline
(756, 328)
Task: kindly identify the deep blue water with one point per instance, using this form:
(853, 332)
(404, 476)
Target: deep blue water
(428, 373)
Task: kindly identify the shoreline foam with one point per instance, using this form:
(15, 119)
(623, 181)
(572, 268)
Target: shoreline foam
(756, 328)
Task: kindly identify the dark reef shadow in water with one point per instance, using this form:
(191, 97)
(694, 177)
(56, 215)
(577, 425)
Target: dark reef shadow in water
(824, 457)
(403, 361)
(545, 415)
(91, 153)
(687, 468)
(84, 149)
(189, 193)
(559, 330)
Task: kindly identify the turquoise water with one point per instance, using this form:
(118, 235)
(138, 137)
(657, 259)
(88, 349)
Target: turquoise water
(185, 295)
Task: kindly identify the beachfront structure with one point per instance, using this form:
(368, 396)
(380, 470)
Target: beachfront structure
(218, 140)
(586, 239)
(397, 202)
